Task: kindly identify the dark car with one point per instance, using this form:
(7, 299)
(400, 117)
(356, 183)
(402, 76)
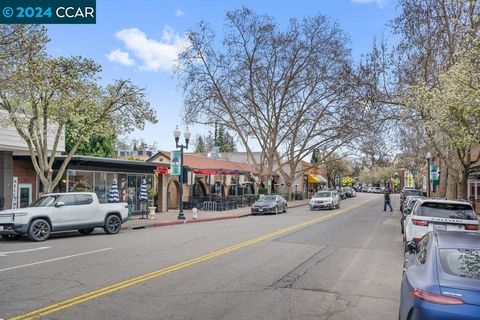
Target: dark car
(348, 192)
(441, 278)
(409, 192)
(269, 204)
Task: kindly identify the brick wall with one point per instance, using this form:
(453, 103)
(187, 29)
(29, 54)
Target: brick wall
(25, 172)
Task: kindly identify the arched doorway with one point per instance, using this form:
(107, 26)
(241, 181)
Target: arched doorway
(250, 187)
(173, 194)
(217, 189)
(199, 190)
(232, 190)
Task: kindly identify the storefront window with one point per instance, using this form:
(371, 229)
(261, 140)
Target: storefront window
(122, 187)
(101, 186)
(62, 184)
(80, 181)
(100, 182)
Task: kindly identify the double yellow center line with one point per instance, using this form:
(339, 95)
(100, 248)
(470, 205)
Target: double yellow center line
(148, 276)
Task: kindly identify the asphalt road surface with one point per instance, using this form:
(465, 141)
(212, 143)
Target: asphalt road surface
(332, 264)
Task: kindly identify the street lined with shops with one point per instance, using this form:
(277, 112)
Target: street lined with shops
(340, 264)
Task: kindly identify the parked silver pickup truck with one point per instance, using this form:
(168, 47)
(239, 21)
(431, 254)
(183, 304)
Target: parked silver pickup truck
(62, 211)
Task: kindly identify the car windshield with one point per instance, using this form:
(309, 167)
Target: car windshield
(324, 194)
(447, 210)
(461, 262)
(413, 193)
(412, 203)
(46, 201)
(267, 199)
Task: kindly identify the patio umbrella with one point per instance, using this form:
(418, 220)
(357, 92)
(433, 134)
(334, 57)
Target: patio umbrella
(142, 196)
(113, 194)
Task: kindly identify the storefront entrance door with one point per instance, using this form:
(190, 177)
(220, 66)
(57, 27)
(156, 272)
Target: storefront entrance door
(24, 194)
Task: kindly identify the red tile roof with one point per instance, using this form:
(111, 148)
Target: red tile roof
(203, 163)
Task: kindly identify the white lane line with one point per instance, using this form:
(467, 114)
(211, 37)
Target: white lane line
(3, 254)
(55, 259)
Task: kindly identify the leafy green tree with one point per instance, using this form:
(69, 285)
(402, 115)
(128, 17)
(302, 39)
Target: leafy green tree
(97, 145)
(450, 114)
(42, 94)
(199, 145)
(334, 165)
(225, 141)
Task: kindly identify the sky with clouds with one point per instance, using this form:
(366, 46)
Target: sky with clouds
(140, 40)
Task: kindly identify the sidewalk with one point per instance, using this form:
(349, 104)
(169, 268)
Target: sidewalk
(171, 217)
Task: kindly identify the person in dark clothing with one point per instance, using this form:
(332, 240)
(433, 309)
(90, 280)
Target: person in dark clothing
(387, 200)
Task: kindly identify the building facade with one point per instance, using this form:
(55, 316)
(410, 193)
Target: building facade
(220, 183)
(19, 183)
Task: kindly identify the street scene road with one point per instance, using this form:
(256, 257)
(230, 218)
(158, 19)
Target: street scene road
(240, 160)
(329, 264)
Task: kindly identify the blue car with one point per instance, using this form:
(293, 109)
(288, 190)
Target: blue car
(441, 277)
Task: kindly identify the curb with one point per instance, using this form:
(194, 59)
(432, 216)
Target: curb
(175, 222)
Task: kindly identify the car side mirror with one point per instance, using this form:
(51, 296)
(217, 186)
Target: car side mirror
(60, 204)
(412, 247)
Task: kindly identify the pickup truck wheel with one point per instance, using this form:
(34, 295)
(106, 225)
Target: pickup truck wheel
(38, 230)
(113, 224)
(85, 231)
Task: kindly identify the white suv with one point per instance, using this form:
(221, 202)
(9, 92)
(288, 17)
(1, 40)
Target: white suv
(432, 214)
(62, 211)
(325, 199)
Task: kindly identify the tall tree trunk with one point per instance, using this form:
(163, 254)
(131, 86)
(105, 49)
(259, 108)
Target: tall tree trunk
(451, 185)
(463, 185)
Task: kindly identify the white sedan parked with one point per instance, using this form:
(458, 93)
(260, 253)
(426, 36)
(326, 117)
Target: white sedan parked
(432, 214)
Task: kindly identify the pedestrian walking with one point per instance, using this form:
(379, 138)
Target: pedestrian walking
(387, 200)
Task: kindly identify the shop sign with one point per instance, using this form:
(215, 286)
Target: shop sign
(175, 163)
(15, 193)
(434, 175)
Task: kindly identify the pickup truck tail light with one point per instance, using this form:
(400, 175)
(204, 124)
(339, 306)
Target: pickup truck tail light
(471, 227)
(434, 298)
(420, 222)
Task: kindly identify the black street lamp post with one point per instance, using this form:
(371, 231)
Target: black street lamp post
(428, 156)
(176, 134)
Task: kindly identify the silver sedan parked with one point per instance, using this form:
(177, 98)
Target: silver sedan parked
(269, 204)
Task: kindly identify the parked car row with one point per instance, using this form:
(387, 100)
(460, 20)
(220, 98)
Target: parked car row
(61, 212)
(374, 190)
(441, 273)
(369, 189)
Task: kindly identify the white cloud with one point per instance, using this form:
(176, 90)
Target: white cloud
(379, 3)
(154, 54)
(121, 57)
(179, 13)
